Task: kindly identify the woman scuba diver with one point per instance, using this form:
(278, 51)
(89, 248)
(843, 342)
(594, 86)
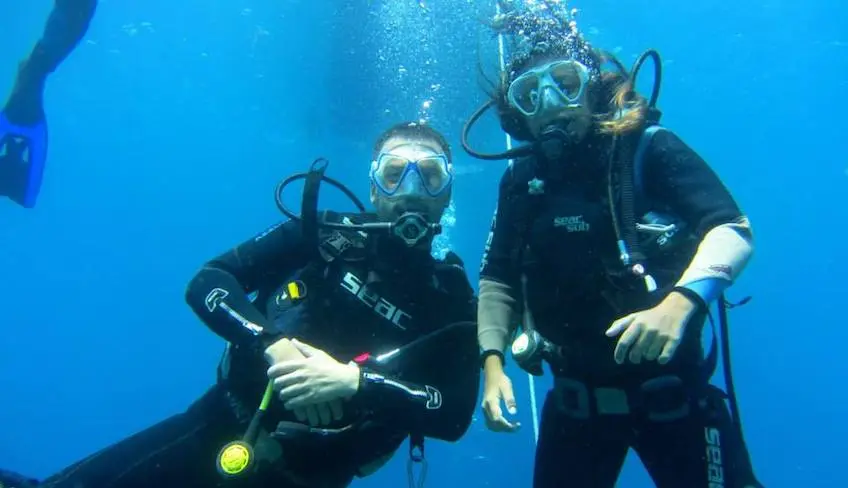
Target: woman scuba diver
(613, 238)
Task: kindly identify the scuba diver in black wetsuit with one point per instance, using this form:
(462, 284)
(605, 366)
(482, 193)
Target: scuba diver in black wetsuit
(613, 238)
(23, 128)
(356, 339)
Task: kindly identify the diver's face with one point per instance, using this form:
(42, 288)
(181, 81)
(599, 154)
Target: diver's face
(411, 175)
(553, 92)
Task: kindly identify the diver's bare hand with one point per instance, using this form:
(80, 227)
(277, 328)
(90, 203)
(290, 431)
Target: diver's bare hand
(497, 388)
(318, 414)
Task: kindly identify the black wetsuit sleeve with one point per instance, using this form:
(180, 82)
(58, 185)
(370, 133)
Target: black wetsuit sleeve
(218, 293)
(678, 178)
(435, 397)
(505, 234)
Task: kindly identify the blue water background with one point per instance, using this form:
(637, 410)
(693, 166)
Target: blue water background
(172, 122)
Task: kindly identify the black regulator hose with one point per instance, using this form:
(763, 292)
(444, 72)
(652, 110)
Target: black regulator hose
(634, 73)
(317, 168)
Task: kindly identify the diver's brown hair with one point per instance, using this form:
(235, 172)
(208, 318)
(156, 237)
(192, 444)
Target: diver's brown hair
(416, 131)
(625, 108)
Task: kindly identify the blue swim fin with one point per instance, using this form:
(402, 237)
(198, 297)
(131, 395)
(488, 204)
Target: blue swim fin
(23, 153)
(23, 130)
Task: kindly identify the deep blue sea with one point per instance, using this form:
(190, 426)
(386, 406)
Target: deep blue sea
(172, 122)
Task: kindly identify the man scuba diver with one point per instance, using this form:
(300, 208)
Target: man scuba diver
(613, 238)
(23, 127)
(356, 339)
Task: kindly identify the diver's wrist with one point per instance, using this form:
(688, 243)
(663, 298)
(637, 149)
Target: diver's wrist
(686, 299)
(353, 378)
(278, 349)
(493, 361)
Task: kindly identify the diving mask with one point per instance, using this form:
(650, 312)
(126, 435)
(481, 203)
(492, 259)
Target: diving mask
(557, 85)
(404, 171)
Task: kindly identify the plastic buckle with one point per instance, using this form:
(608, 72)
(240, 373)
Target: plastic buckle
(336, 244)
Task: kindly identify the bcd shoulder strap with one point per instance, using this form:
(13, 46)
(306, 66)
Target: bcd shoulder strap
(639, 157)
(526, 205)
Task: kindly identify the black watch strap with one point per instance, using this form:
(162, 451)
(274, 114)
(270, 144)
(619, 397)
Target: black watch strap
(694, 297)
(491, 352)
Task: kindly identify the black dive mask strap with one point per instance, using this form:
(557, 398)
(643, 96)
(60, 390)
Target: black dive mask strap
(309, 203)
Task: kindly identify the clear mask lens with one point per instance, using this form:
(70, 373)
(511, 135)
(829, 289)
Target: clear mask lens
(397, 175)
(560, 83)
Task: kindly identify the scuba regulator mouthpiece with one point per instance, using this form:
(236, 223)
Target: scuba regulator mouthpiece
(553, 141)
(237, 458)
(410, 227)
